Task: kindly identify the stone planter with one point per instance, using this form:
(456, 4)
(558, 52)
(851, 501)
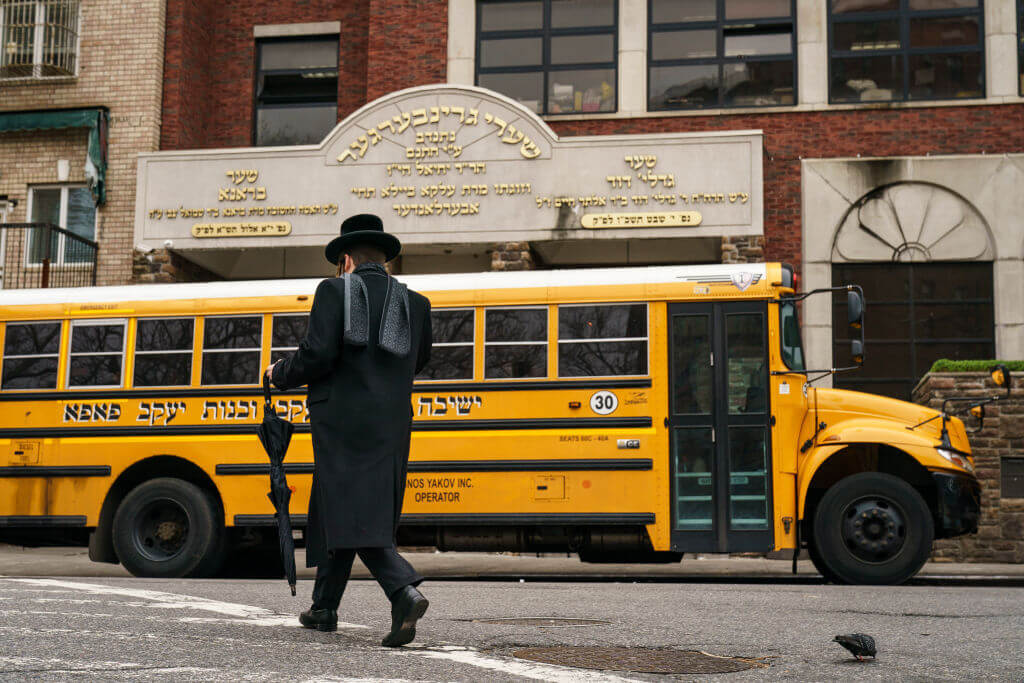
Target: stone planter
(998, 450)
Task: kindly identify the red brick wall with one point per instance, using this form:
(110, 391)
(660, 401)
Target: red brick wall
(869, 133)
(210, 61)
(408, 45)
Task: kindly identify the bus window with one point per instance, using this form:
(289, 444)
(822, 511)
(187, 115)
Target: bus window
(691, 358)
(97, 353)
(598, 341)
(515, 343)
(31, 352)
(163, 352)
(231, 350)
(748, 372)
(285, 334)
(451, 355)
(792, 349)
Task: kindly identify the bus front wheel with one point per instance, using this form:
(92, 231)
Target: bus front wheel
(169, 528)
(872, 528)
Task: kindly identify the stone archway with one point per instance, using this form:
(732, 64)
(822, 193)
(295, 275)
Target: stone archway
(912, 222)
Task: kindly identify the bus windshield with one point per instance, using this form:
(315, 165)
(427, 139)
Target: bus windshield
(792, 349)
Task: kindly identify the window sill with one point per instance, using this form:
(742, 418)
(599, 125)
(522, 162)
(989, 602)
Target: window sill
(40, 80)
(788, 109)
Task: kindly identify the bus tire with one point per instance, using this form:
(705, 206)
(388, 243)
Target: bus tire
(820, 566)
(872, 528)
(169, 528)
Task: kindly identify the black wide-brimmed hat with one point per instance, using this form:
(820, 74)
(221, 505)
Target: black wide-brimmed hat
(363, 228)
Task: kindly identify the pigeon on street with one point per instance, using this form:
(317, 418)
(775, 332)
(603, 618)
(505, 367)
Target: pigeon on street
(858, 644)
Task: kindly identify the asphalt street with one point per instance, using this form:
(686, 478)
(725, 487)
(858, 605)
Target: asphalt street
(122, 628)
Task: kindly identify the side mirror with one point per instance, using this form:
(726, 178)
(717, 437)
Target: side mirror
(1001, 376)
(855, 318)
(854, 309)
(857, 351)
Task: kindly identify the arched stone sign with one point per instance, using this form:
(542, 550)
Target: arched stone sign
(446, 165)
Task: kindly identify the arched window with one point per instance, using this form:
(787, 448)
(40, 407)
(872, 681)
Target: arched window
(924, 258)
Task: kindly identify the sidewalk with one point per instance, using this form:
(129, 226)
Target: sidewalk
(18, 561)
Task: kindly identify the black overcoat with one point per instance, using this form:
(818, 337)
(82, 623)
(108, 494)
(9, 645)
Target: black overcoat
(360, 413)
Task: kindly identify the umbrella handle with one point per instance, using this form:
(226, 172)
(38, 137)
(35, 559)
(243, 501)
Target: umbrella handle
(266, 391)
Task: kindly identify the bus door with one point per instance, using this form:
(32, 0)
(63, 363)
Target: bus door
(719, 427)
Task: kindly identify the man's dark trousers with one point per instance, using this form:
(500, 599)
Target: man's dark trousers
(387, 566)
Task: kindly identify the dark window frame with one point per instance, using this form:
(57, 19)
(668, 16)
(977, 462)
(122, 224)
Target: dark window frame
(97, 322)
(904, 15)
(646, 339)
(913, 340)
(289, 102)
(719, 25)
(191, 350)
(257, 349)
(1020, 47)
(285, 349)
(57, 354)
(471, 344)
(546, 343)
(546, 33)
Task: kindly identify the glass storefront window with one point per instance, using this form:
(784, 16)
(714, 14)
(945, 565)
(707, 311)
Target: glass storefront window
(554, 57)
(898, 50)
(721, 53)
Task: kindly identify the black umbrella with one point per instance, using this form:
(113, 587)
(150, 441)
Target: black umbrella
(275, 433)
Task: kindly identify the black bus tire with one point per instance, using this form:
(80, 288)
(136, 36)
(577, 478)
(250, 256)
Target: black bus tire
(819, 565)
(169, 528)
(873, 528)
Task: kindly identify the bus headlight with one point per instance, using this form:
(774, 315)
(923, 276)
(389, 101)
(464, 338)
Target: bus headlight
(956, 459)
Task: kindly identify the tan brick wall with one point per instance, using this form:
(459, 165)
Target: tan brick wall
(121, 68)
(1000, 536)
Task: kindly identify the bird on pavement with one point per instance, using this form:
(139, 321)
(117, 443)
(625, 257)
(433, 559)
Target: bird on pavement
(859, 644)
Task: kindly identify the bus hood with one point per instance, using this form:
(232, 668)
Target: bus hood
(850, 412)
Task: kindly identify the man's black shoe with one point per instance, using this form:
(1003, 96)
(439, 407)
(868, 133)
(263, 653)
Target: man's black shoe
(407, 606)
(320, 619)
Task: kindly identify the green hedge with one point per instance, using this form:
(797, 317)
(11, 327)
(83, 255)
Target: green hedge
(945, 365)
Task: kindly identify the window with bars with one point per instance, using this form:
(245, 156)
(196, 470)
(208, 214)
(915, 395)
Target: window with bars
(887, 50)
(296, 90)
(916, 314)
(602, 340)
(67, 206)
(451, 354)
(721, 53)
(38, 38)
(553, 56)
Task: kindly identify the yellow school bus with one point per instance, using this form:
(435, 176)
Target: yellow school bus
(630, 414)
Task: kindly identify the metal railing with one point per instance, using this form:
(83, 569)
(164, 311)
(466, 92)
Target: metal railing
(40, 255)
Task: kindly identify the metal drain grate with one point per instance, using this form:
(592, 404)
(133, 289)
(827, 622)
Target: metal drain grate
(637, 660)
(547, 622)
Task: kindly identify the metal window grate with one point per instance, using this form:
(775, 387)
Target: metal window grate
(60, 257)
(38, 38)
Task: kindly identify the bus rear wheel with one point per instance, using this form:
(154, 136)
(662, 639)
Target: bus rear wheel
(169, 528)
(872, 528)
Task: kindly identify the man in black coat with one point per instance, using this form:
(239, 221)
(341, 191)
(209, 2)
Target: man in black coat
(368, 337)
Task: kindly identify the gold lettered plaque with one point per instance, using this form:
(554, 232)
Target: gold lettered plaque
(243, 229)
(659, 219)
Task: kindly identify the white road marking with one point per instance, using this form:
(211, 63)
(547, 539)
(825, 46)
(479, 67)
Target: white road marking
(260, 616)
(54, 665)
(245, 614)
(540, 672)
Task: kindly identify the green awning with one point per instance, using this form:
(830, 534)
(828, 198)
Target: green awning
(96, 120)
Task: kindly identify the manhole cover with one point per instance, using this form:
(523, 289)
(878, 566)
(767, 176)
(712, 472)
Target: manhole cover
(549, 622)
(637, 660)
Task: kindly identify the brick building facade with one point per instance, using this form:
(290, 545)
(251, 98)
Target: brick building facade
(124, 84)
